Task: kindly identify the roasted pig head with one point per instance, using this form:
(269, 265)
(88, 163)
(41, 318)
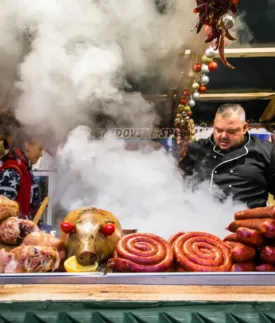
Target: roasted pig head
(90, 234)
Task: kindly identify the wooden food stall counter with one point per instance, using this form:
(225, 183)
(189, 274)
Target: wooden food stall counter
(139, 298)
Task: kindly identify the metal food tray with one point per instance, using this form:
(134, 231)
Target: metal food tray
(206, 279)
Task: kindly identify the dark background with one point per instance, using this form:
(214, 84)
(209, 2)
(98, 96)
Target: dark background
(250, 74)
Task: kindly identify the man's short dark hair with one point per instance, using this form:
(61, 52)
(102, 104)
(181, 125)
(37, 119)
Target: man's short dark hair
(226, 110)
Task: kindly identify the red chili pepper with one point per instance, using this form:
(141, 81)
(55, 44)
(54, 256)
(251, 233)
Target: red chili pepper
(108, 229)
(66, 226)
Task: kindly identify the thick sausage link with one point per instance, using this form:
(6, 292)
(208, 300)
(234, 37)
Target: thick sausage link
(244, 266)
(265, 267)
(240, 252)
(142, 252)
(250, 237)
(231, 244)
(204, 252)
(231, 237)
(268, 254)
(250, 224)
(257, 213)
(268, 228)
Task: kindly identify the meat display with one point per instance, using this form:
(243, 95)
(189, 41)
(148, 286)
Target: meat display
(4, 259)
(10, 231)
(264, 225)
(91, 235)
(7, 247)
(244, 266)
(240, 252)
(8, 208)
(265, 267)
(172, 239)
(14, 230)
(250, 236)
(257, 213)
(38, 251)
(142, 252)
(31, 259)
(254, 239)
(43, 239)
(202, 252)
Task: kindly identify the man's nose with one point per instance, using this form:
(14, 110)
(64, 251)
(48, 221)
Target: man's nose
(224, 135)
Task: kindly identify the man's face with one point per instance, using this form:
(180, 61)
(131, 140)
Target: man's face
(229, 131)
(34, 151)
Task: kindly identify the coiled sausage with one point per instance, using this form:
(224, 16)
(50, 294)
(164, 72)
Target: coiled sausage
(204, 252)
(142, 252)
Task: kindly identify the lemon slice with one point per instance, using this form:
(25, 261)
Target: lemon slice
(72, 266)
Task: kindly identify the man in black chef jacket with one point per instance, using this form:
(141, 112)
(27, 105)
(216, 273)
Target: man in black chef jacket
(238, 163)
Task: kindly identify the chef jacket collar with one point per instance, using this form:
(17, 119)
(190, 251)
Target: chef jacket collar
(235, 153)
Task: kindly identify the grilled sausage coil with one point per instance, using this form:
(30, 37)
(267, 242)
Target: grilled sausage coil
(203, 252)
(142, 252)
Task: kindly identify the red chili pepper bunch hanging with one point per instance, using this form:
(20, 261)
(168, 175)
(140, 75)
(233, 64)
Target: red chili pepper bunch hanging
(214, 14)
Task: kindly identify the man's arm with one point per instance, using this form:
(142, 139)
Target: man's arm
(9, 183)
(194, 154)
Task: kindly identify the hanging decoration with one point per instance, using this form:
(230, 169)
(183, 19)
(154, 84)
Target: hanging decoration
(184, 124)
(215, 18)
(214, 14)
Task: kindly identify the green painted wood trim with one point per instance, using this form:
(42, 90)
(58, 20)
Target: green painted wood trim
(137, 312)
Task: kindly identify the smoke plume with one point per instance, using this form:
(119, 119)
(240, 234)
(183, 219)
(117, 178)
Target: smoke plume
(242, 31)
(77, 57)
(144, 189)
(74, 59)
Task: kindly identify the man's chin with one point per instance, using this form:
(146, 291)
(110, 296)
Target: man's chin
(224, 146)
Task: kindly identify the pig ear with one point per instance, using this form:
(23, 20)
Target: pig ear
(67, 226)
(108, 229)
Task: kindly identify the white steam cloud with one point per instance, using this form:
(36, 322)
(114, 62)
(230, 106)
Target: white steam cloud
(242, 32)
(73, 59)
(144, 189)
(82, 52)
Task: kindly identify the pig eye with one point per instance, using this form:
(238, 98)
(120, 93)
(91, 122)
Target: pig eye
(108, 229)
(73, 232)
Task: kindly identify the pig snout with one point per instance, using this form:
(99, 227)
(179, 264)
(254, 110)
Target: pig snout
(86, 257)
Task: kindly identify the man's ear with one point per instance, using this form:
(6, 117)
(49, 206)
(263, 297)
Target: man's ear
(245, 127)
